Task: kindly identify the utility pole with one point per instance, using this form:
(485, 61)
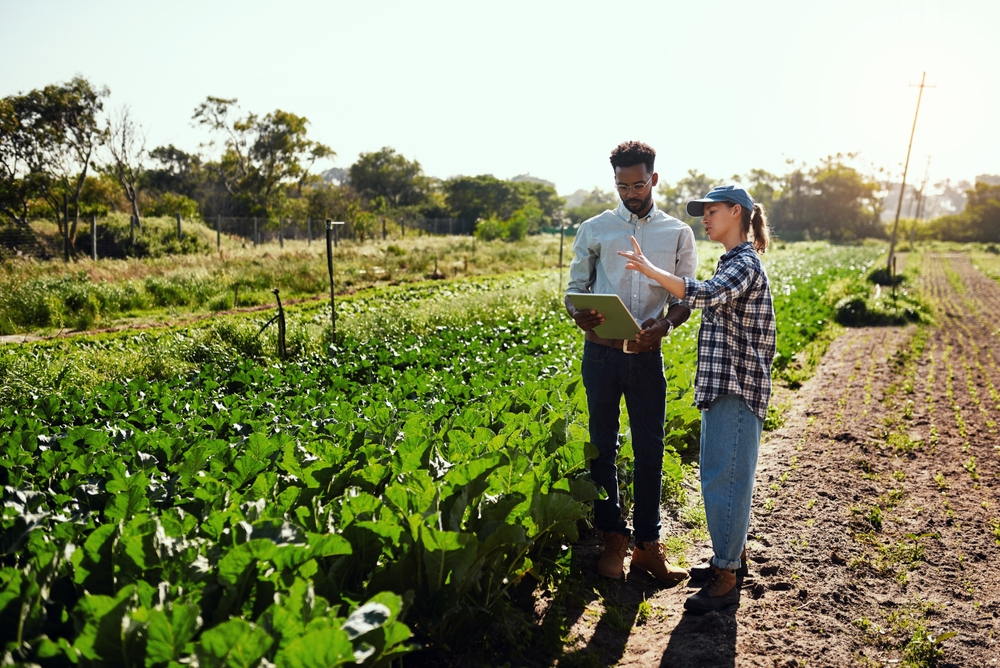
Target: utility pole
(906, 166)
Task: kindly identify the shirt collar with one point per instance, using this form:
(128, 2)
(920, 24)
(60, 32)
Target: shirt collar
(630, 217)
(737, 250)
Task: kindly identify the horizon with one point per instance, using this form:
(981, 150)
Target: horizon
(453, 78)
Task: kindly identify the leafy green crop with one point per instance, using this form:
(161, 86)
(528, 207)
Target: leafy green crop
(323, 509)
(244, 512)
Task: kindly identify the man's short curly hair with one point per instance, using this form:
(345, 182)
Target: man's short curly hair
(630, 153)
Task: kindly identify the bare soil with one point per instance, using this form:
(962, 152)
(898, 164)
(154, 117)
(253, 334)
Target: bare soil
(876, 520)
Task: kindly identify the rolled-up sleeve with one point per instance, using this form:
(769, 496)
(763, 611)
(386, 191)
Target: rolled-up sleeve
(732, 280)
(583, 268)
(687, 260)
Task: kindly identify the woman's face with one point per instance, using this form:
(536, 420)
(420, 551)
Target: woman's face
(721, 221)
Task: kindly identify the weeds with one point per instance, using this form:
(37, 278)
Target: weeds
(886, 558)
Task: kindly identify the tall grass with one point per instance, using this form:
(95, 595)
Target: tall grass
(46, 295)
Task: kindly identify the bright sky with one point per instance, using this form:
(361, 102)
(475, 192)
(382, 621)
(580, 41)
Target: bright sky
(547, 88)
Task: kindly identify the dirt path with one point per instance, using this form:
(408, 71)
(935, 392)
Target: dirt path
(876, 516)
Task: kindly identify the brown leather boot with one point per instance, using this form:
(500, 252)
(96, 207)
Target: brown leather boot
(721, 590)
(651, 557)
(701, 572)
(612, 561)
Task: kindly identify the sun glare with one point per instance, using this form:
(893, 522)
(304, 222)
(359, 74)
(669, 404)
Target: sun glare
(951, 112)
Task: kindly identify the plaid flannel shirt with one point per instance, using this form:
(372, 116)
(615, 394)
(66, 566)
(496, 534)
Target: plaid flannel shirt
(737, 339)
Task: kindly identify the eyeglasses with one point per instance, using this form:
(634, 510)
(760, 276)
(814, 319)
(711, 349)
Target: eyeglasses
(624, 189)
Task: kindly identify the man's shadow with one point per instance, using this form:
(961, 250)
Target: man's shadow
(699, 641)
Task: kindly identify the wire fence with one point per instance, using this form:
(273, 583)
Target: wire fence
(95, 239)
(261, 231)
(18, 241)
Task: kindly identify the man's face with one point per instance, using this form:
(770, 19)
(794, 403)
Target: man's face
(635, 186)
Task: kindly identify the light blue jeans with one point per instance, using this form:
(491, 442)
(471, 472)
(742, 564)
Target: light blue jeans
(730, 440)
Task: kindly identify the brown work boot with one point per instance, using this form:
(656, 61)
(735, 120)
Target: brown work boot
(651, 557)
(612, 562)
(703, 571)
(721, 590)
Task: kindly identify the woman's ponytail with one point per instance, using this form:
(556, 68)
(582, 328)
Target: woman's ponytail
(761, 230)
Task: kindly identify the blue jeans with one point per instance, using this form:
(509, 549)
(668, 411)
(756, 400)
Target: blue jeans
(608, 374)
(730, 441)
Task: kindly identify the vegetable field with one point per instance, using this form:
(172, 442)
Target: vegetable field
(186, 497)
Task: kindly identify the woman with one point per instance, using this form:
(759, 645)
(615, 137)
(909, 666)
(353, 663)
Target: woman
(736, 345)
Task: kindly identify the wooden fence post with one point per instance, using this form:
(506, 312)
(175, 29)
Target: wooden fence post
(281, 232)
(384, 233)
(179, 236)
(309, 231)
(93, 236)
(66, 226)
(256, 236)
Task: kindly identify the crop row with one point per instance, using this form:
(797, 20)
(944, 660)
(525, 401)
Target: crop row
(324, 508)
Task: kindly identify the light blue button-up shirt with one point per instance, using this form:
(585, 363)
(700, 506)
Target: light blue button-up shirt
(598, 268)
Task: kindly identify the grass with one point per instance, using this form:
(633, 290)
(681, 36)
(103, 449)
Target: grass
(46, 296)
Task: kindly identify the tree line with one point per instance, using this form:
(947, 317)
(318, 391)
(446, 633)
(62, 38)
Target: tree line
(62, 156)
(833, 200)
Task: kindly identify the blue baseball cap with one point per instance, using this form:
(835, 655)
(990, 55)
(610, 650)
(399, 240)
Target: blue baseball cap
(731, 194)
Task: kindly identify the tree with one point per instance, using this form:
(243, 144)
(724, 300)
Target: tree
(334, 202)
(47, 139)
(831, 201)
(541, 195)
(179, 172)
(26, 149)
(127, 146)
(980, 221)
(674, 199)
(484, 196)
(762, 185)
(77, 107)
(385, 173)
(596, 202)
(260, 153)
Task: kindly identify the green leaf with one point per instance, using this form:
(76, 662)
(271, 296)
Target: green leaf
(233, 644)
(324, 648)
(128, 502)
(557, 512)
(447, 556)
(101, 619)
(169, 631)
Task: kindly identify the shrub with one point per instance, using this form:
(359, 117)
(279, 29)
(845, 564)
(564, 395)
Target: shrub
(155, 238)
(491, 229)
(527, 218)
(171, 204)
(882, 276)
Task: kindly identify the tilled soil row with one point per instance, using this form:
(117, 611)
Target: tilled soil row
(882, 489)
(876, 514)
(876, 521)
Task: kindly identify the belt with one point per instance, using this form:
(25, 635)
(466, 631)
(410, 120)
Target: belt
(623, 345)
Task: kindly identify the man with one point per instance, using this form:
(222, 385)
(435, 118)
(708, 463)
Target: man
(612, 368)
